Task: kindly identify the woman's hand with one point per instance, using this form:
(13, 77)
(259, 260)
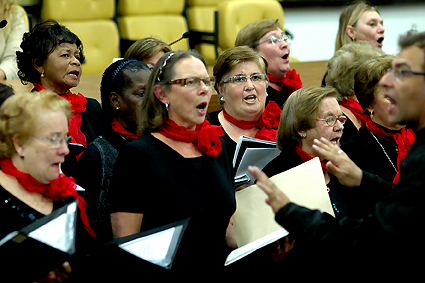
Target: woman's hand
(276, 198)
(339, 164)
(58, 275)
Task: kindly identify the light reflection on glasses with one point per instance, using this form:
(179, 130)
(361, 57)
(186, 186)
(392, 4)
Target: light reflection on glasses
(331, 120)
(240, 79)
(194, 82)
(56, 142)
(275, 39)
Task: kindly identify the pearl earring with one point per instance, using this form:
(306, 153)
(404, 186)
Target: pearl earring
(222, 99)
(166, 106)
(42, 75)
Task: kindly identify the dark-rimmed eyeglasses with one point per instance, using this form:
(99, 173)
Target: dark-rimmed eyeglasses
(241, 79)
(331, 120)
(193, 82)
(56, 142)
(399, 73)
(276, 39)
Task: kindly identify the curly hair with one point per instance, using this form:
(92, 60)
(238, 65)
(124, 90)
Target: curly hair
(38, 44)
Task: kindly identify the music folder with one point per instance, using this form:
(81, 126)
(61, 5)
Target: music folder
(32, 252)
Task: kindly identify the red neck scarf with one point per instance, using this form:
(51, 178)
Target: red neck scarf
(291, 80)
(117, 127)
(306, 157)
(354, 106)
(269, 119)
(78, 106)
(404, 140)
(56, 190)
(205, 136)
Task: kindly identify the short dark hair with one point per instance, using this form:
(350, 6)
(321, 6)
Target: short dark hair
(37, 45)
(411, 39)
(115, 79)
(6, 91)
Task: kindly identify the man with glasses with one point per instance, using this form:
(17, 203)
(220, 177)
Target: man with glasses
(388, 243)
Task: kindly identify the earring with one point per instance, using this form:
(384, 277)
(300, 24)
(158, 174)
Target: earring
(42, 75)
(166, 106)
(22, 157)
(117, 107)
(303, 135)
(222, 99)
(371, 114)
(267, 94)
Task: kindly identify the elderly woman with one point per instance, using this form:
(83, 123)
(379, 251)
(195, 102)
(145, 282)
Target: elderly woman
(34, 142)
(241, 86)
(147, 50)
(267, 38)
(122, 89)
(360, 21)
(178, 168)
(379, 146)
(51, 59)
(340, 75)
(309, 113)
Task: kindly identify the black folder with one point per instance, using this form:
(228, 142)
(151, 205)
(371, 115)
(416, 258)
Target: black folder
(44, 245)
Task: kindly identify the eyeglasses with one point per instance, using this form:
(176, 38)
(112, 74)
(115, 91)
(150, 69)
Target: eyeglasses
(241, 79)
(56, 142)
(194, 82)
(331, 120)
(275, 39)
(399, 74)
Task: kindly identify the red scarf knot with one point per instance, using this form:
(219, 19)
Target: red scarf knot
(403, 138)
(269, 119)
(291, 80)
(56, 190)
(78, 106)
(354, 106)
(117, 127)
(206, 137)
(306, 157)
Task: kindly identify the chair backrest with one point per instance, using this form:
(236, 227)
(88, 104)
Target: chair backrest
(162, 19)
(25, 15)
(234, 15)
(93, 24)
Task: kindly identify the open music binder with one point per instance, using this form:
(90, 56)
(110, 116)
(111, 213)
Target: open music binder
(156, 246)
(41, 246)
(251, 151)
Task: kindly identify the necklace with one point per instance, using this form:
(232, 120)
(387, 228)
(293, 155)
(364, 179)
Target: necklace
(395, 168)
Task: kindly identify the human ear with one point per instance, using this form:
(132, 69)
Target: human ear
(17, 144)
(113, 100)
(350, 31)
(38, 65)
(160, 94)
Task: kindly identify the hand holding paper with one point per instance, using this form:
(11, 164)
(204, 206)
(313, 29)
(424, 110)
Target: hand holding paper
(276, 198)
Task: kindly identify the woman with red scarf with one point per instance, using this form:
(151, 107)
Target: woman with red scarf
(51, 59)
(122, 90)
(241, 86)
(340, 75)
(379, 146)
(178, 168)
(34, 142)
(268, 39)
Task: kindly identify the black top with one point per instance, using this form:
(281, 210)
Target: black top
(279, 97)
(367, 153)
(348, 132)
(212, 117)
(387, 242)
(153, 179)
(94, 176)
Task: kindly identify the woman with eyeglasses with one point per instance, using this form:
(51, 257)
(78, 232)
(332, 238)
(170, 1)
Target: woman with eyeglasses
(241, 86)
(122, 90)
(178, 168)
(267, 38)
(34, 142)
(379, 146)
(309, 113)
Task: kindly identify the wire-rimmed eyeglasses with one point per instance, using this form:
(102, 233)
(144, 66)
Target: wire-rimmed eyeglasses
(194, 82)
(57, 141)
(276, 39)
(240, 79)
(331, 120)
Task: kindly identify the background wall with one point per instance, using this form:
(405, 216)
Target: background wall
(314, 28)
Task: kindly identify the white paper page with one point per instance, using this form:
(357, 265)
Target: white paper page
(259, 157)
(152, 248)
(59, 232)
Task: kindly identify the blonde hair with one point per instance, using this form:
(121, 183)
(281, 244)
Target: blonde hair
(343, 65)
(299, 113)
(230, 59)
(19, 117)
(349, 17)
(367, 77)
(253, 32)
